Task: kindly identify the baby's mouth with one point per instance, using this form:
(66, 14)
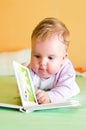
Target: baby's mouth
(42, 71)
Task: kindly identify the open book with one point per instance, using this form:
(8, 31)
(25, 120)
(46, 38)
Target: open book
(27, 93)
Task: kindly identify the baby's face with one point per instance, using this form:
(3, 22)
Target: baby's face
(47, 56)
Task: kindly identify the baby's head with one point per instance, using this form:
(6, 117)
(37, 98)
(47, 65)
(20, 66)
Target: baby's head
(50, 40)
(49, 27)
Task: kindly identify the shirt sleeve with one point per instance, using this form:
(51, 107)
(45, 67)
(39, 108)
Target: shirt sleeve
(65, 85)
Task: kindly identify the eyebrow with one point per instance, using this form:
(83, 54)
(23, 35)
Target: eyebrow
(52, 55)
(36, 53)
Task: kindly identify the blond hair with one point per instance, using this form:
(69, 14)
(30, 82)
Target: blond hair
(48, 27)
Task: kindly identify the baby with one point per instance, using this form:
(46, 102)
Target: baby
(52, 72)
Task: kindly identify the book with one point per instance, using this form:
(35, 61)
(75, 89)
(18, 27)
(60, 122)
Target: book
(27, 93)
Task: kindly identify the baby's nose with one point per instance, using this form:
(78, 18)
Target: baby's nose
(43, 62)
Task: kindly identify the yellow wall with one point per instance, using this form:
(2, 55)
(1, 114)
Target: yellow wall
(19, 17)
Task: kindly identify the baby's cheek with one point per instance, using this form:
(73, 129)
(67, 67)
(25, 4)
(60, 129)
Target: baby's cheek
(53, 69)
(34, 65)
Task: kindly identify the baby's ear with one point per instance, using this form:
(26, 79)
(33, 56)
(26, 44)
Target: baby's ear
(65, 56)
(60, 36)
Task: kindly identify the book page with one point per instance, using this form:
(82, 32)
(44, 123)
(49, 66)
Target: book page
(25, 85)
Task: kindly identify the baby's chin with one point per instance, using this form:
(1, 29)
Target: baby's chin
(44, 76)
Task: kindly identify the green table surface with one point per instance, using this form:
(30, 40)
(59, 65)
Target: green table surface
(73, 118)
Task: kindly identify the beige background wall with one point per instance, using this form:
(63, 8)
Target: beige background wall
(19, 17)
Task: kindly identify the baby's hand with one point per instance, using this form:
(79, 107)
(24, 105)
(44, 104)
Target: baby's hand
(42, 97)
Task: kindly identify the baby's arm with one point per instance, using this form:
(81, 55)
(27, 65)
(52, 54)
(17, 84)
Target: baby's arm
(65, 88)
